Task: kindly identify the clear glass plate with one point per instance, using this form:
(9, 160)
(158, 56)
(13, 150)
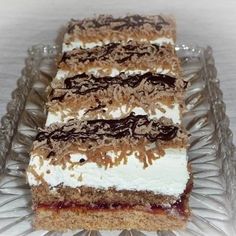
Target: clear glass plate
(211, 152)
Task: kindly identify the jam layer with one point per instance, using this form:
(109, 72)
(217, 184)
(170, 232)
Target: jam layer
(180, 206)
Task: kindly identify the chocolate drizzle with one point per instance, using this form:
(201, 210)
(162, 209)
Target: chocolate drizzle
(58, 98)
(115, 51)
(83, 83)
(133, 126)
(119, 24)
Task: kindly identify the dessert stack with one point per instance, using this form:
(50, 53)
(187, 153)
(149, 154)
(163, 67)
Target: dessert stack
(113, 153)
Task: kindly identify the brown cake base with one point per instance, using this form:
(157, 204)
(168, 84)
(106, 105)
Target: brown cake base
(65, 215)
(81, 218)
(60, 212)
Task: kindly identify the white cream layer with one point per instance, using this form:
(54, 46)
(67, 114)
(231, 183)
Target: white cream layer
(80, 44)
(170, 112)
(167, 175)
(62, 74)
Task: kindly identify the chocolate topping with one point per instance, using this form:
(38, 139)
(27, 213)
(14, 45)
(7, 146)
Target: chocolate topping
(147, 139)
(129, 57)
(135, 126)
(118, 24)
(119, 53)
(84, 83)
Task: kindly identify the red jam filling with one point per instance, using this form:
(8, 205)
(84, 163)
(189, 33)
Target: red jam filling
(179, 206)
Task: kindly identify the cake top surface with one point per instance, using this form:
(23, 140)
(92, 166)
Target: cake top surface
(85, 83)
(156, 22)
(103, 29)
(95, 138)
(117, 90)
(135, 126)
(131, 56)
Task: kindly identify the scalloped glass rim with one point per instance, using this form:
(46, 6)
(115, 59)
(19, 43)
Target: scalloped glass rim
(211, 151)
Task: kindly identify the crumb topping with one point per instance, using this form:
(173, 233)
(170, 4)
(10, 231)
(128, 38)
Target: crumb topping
(95, 138)
(87, 83)
(131, 56)
(106, 28)
(100, 96)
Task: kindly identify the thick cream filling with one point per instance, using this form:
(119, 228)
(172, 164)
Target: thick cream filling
(167, 175)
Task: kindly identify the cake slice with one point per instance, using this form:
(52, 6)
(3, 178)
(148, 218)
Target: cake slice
(113, 59)
(111, 174)
(91, 32)
(88, 97)
(113, 153)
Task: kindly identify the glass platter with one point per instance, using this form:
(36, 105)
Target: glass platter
(211, 152)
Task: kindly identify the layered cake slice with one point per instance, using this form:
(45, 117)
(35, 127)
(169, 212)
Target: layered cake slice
(90, 97)
(114, 58)
(104, 29)
(113, 153)
(110, 174)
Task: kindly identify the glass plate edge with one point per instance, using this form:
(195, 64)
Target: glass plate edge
(225, 135)
(15, 106)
